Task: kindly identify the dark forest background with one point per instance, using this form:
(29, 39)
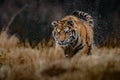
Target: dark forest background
(31, 19)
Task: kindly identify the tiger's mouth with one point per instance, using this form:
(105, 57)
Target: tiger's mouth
(71, 41)
(63, 43)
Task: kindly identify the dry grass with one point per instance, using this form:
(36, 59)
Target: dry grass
(24, 63)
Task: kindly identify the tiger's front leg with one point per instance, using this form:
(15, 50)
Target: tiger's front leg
(68, 51)
(87, 50)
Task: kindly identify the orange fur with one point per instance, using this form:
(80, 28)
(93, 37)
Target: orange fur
(83, 30)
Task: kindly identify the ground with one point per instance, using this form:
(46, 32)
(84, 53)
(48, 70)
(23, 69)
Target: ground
(41, 63)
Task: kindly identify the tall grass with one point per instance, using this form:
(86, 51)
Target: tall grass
(41, 63)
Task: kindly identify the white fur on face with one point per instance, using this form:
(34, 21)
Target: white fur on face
(58, 30)
(66, 29)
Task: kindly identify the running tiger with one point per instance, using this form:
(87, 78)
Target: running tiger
(73, 34)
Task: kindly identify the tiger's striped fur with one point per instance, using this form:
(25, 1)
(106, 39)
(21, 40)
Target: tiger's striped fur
(73, 34)
(85, 15)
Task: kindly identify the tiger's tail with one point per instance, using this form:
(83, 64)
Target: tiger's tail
(85, 15)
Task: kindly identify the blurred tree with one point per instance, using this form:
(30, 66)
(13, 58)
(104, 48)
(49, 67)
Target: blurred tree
(107, 33)
(34, 22)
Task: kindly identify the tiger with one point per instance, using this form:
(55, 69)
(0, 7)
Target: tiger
(73, 34)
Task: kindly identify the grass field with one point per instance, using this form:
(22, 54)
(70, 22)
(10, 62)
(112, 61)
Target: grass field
(41, 63)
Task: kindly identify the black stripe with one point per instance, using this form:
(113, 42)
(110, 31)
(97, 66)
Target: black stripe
(79, 47)
(74, 40)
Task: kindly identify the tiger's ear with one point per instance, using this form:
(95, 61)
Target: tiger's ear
(70, 22)
(54, 23)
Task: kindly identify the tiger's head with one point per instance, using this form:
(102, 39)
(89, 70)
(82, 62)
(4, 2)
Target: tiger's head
(64, 32)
